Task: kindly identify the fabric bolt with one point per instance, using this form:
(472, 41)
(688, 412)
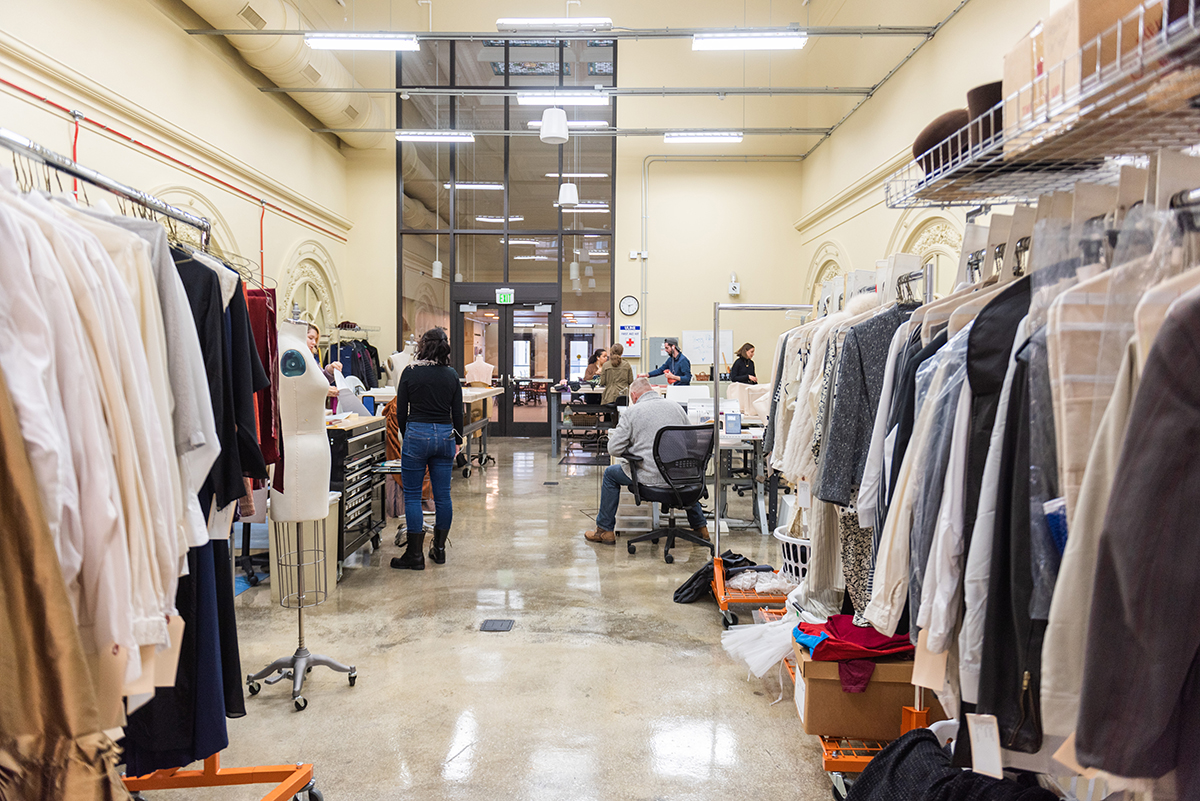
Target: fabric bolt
(1011, 654)
(916, 766)
(51, 745)
(859, 384)
(1140, 710)
(1066, 631)
(742, 370)
(979, 547)
(873, 468)
(637, 429)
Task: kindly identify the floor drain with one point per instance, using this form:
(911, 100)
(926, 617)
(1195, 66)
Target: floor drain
(549, 483)
(496, 625)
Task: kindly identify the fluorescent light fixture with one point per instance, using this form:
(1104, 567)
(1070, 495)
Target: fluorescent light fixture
(589, 204)
(687, 137)
(361, 41)
(560, 24)
(599, 252)
(562, 99)
(523, 242)
(435, 136)
(750, 40)
(490, 219)
(578, 175)
(536, 124)
(531, 258)
(578, 325)
(470, 185)
(578, 210)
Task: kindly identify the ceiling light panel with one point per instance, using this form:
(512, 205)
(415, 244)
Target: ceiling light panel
(578, 175)
(435, 136)
(536, 124)
(688, 137)
(470, 185)
(746, 40)
(362, 41)
(562, 99)
(560, 24)
(484, 218)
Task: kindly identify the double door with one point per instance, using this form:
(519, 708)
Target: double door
(517, 342)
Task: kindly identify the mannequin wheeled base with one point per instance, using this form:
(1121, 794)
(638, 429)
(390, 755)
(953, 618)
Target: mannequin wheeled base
(296, 667)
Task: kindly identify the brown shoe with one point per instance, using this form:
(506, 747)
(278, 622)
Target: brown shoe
(703, 532)
(606, 537)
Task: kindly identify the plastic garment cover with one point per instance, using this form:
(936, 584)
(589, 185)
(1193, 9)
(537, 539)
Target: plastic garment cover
(1045, 552)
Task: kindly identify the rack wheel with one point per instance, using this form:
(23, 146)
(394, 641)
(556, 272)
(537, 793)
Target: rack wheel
(252, 579)
(728, 619)
(254, 687)
(655, 541)
(631, 548)
(376, 542)
(353, 677)
(668, 558)
(315, 795)
(466, 472)
(300, 702)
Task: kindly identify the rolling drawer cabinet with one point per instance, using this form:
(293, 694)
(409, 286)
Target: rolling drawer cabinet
(357, 446)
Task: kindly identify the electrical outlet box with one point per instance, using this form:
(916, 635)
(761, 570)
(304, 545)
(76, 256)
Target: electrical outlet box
(735, 288)
(634, 255)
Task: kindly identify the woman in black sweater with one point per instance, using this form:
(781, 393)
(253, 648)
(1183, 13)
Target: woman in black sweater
(743, 367)
(429, 413)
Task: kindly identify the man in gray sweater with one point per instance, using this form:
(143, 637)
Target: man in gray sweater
(647, 414)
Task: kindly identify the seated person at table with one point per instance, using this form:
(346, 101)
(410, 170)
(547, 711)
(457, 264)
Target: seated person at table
(743, 366)
(676, 368)
(616, 376)
(647, 413)
(595, 364)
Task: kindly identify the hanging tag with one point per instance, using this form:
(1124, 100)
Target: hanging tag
(803, 495)
(168, 658)
(110, 679)
(929, 669)
(985, 745)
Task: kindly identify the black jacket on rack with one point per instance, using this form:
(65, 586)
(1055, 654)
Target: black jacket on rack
(356, 360)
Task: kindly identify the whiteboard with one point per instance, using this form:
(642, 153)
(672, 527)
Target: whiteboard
(698, 347)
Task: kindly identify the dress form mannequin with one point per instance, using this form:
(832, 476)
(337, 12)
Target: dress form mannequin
(302, 392)
(479, 371)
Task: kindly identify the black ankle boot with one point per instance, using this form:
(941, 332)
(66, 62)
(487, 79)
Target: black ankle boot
(412, 559)
(437, 551)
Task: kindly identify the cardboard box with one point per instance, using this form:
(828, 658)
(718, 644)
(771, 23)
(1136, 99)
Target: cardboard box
(1023, 101)
(1072, 51)
(871, 715)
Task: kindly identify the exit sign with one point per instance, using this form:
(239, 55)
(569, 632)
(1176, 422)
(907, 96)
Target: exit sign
(505, 296)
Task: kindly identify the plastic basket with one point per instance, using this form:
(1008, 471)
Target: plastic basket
(796, 553)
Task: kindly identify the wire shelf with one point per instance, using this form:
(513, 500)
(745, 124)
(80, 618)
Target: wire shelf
(1124, 95)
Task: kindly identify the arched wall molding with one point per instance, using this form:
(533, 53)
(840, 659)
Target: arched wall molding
(831, 258)
(189, 199)
(925, 228)
(311, 279)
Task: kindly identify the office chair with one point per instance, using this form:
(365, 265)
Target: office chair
(681, 454)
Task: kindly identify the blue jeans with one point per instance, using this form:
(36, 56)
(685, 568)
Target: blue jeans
(427, 445)
(610, 496)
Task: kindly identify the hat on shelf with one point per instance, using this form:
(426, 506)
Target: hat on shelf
(940, 134)
(672, 341)
(987, 115)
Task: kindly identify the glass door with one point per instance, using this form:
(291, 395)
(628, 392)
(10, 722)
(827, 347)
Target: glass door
(509, 347)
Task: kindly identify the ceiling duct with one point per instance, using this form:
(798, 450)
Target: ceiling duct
(285, 59)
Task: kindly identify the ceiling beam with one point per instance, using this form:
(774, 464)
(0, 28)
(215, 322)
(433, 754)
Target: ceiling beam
(852, 31)
(615, 91)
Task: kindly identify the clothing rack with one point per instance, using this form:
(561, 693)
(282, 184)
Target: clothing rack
(43, 155)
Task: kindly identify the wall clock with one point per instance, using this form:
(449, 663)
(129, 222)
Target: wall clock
(628, 305)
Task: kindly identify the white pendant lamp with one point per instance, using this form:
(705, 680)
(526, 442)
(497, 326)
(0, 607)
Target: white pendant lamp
(458, 277)
(554, 127)
(591, 283)
(568, 196)
(576, 284)
(437, 270)
(587, 271)
(574, 271)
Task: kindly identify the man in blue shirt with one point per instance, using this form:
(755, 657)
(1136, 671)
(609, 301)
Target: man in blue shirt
(676, 366)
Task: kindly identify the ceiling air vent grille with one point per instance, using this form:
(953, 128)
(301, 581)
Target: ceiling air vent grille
(252, 18)
(351, 113)
(311, 73)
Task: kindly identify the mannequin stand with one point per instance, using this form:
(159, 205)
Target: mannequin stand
(297, 666)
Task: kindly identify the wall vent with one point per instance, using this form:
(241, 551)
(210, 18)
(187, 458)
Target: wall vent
(351, 113)
(252, 18)
(311, 73)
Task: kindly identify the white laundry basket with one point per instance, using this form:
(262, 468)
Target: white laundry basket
(796, 553)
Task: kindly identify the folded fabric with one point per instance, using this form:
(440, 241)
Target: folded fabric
(855, 674)
(844, 640)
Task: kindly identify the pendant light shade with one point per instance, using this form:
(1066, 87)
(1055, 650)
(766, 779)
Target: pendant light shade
(591, 283)
(568, 196)
(458, 278)
(437, 270)
(554, 127)
(576, 284)
(574, 271)
(587, 271)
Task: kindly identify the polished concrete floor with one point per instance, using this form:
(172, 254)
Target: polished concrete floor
(604, 689)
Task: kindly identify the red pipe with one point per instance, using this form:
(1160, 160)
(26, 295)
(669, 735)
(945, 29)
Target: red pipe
(170, 158)
(261, 242)
(75, 157)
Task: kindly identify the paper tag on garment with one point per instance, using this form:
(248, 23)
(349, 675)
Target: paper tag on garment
(1065, 756)
(985, 745)
(168, 659)
(929, 669)
(803, 495)
(110, 679)
(144, 683)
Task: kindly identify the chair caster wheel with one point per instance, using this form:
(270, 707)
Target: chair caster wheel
(466, 472)
(254, 687)
(655, 541)
(252, 579)
(376, 542)
(300, 702)
(353, 678)
(631, 548)
(668, 558)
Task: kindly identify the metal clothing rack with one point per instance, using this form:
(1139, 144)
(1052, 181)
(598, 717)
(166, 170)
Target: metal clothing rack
(43, 155)
(724, 596)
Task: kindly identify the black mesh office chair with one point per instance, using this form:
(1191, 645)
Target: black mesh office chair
(681, 454)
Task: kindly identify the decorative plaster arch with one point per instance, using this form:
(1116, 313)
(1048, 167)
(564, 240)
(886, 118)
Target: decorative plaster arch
(310, 278)
(926, 229)
(188, 199)
(830, 260)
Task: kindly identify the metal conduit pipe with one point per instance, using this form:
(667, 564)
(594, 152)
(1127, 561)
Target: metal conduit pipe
(643, 253)
(288, 61)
